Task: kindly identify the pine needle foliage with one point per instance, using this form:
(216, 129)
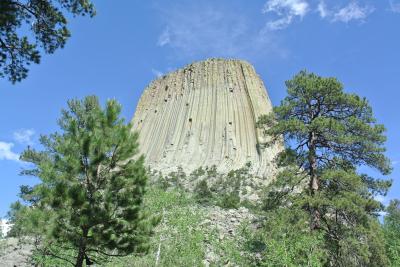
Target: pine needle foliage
(328, 134)
(91, 186)
(29, 27)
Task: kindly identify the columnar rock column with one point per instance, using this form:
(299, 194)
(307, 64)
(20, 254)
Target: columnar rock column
(204, 115)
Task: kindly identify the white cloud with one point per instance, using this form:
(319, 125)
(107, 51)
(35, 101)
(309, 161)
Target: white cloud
(157, 73)
(353, 11)
(204, 29)
(24, 136)
(279, 23)
(395, 6)
(322, 9)
(287, 10)
(282, 7)
(6, 152)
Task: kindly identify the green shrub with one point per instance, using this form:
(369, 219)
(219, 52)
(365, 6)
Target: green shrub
(229, 200)
(203, 193)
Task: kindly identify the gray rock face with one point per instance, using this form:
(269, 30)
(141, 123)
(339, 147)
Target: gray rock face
(204, 115)
(14, 252)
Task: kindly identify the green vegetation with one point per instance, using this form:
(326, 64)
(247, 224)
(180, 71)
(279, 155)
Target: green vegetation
(178, 240)
(208, 186)
(48, 25)
(88, 205)
(223, 190)
(189, 232)
(391, 229)
(321, 198)
(283, 241)
(182, 238)
(203, 192)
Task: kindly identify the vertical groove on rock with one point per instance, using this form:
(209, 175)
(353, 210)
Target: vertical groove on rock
(251, 108)
(205, 115)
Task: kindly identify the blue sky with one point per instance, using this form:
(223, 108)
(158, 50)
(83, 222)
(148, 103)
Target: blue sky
(117, 53)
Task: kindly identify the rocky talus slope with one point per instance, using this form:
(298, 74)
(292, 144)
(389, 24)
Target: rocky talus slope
(204, 115)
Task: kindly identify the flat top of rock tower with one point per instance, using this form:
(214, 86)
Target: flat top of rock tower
(207, 61)
(219, 60)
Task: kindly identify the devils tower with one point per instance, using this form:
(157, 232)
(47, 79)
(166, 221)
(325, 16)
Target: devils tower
(205, 114)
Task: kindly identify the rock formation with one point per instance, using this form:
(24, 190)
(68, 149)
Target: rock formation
(204, 115)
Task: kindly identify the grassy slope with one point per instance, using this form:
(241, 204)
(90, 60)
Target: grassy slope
(185, 240)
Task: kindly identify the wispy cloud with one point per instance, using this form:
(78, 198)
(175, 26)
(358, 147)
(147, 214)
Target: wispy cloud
(6, 152)
(286, 10)
(24, 136)
(395, 6)
(165, 37)
(353, 12)
(323, 9)
(209, 29)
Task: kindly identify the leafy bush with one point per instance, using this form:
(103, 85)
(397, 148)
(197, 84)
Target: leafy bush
(202, 192)
(229, 200)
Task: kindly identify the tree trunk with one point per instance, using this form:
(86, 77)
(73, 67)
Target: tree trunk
(80, 258)
(314, 182)
(82, 249)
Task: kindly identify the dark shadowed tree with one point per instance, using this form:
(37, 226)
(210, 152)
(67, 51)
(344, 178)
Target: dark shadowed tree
(88, 204)
(28, 27)
(328, 134)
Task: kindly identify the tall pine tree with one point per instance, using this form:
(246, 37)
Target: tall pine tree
(88, 204)
(329, 134)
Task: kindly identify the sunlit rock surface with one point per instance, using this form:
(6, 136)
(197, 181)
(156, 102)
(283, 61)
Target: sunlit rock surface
(204, 115)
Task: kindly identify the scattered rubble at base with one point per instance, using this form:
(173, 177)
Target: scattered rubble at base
(224, 224)
(14, 252)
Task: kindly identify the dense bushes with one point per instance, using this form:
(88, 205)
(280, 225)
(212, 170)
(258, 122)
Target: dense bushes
(209, 187)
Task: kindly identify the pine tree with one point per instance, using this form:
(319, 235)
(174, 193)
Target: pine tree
(44, 25)
(88, 203)
(329, 134)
